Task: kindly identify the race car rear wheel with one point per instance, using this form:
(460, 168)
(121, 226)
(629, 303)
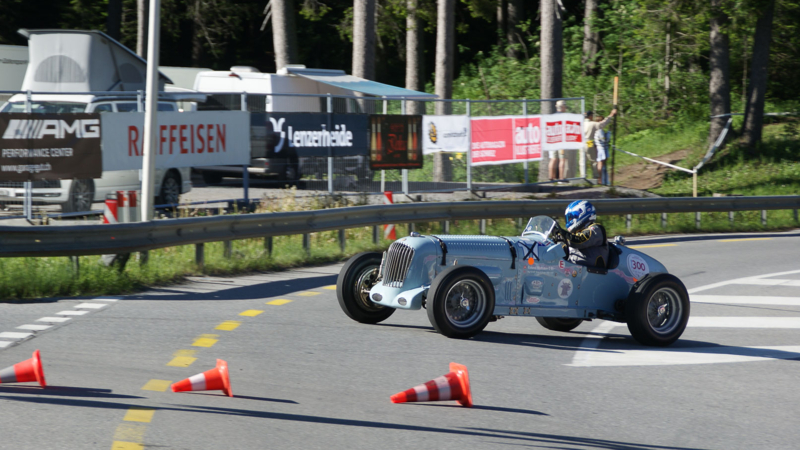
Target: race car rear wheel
(557, 324)
(460, 302)
(658, 310)
(355, 280)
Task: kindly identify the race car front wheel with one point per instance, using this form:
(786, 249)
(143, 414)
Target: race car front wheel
(460, 302)
(557, 324)
(355, 280)
(658, 310)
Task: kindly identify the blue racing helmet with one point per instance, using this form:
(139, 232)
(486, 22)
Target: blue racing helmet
(579, 214)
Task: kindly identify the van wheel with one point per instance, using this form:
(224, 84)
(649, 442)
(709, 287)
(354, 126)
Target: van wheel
(170, 192)
(81, 197)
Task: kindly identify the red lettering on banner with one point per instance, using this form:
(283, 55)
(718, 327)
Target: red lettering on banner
(573, 131)
(191, 135)
(182, 138)
(554, 133)
(133, 141)
(200, 138)
(527, 138)
(210, 137)
(172, 136)
(161, 131)
(221, 136)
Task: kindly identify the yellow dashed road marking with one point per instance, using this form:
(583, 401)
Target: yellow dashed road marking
(120, 445)
(279, 302)
(137, 414)
(747, 239)
(330, 288)
(308, 293)
(228, 325)
(205, 340)
(130, 434)
(652, 245)
(251, 313)
(183, 358)
(157, 385)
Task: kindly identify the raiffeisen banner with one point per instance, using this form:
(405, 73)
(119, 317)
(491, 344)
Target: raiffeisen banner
(315, 134)
(184, 139)
(510, 139)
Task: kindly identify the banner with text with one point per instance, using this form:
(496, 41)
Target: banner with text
(445, 134)
(314, 134)
(510, 139)
(184, 139)
(49, 146)
(395, 142)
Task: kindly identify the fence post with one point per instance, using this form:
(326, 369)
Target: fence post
(697, 220)
(483, 226)
(763, 217)
(307, 243)
(268, 245)
(525, 113)
(342, 239)
(628, 222)
(469, 151)
(376, 234)
(200, 256)
(330, 158)
(227, 249)
(663, 220)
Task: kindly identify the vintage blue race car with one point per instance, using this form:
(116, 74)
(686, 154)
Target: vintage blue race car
(465, 282)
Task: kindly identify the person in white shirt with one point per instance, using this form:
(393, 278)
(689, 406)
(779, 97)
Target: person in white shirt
(601, 142)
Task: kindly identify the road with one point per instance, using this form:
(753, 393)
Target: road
(305, 376)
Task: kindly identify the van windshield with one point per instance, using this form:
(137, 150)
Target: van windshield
(45, 107)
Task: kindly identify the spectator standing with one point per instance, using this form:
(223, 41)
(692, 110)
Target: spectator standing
(589, 149)
(601, 141)
(559, 165)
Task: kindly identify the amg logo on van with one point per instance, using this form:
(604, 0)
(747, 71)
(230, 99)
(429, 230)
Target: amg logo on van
(39, 128)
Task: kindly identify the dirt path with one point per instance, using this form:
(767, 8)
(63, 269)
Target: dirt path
(646, 175)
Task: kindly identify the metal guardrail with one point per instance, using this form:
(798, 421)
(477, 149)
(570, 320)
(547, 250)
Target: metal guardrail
(137, 237)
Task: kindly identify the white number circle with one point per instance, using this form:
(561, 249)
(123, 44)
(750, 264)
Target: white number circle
(637, 266)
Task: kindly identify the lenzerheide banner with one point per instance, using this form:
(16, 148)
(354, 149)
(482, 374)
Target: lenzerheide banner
(50, 146)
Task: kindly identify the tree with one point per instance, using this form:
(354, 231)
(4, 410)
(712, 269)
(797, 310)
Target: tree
(756, 90)
(414, 55)
(364, 39)
(591, 39)
(141, 28)
(445, 46)
(114, 19)
(552, 56)
(514, 40)
(284, 34)
(719, 85)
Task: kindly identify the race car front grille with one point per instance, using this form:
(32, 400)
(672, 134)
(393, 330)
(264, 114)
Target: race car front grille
(398, 261)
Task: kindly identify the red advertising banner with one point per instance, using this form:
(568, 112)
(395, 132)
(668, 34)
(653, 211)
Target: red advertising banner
(492, 140)
(527, 138)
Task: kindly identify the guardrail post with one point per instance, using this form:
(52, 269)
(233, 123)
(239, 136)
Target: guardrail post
(227, 249)
(663, 220)
(411, 228)
(268, 245)
(763, 217)
(697, 220)
(341, 240)
(144, 257)
(446, 227)
(76, 265)
(628, 222)
(730, 217)
(795, 215)
(307, 243)
(483, 226)
(376, 234)
(200, 256)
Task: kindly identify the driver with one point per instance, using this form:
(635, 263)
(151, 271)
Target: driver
(584, 239)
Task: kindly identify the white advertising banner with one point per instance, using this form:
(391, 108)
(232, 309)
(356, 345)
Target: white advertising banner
(185, 139)
(563, 131)
(445, 134)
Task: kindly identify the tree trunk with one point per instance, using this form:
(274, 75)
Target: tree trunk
(364, 39)
(552, 56)
(284, 34)
(719, 85)
(114, 19)
(141, 28)
(514, 17)
(197, 41)
(754, 112)
(591, 39)
(502, 22)
(667, 66)
(445, 47)
(414, 56)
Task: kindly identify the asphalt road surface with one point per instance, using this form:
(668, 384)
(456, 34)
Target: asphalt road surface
(304, 376)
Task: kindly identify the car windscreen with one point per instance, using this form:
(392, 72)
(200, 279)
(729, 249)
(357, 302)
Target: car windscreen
(46, 107)
(541, 225)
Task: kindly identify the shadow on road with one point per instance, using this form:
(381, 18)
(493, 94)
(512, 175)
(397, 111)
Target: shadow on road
(63, 391)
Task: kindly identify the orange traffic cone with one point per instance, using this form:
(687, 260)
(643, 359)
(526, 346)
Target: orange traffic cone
(28, 370)
(451, 386)
(210, 380)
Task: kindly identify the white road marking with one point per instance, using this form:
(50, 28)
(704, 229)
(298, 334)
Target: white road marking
(53, 319)
(34, 327)
(698, 355)
(14, 335)
(72, 313)
(4, 344)
(745, 322)
(768, 282)
(107, 299)
(746, 300)
(92, 305)
(738, 280)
